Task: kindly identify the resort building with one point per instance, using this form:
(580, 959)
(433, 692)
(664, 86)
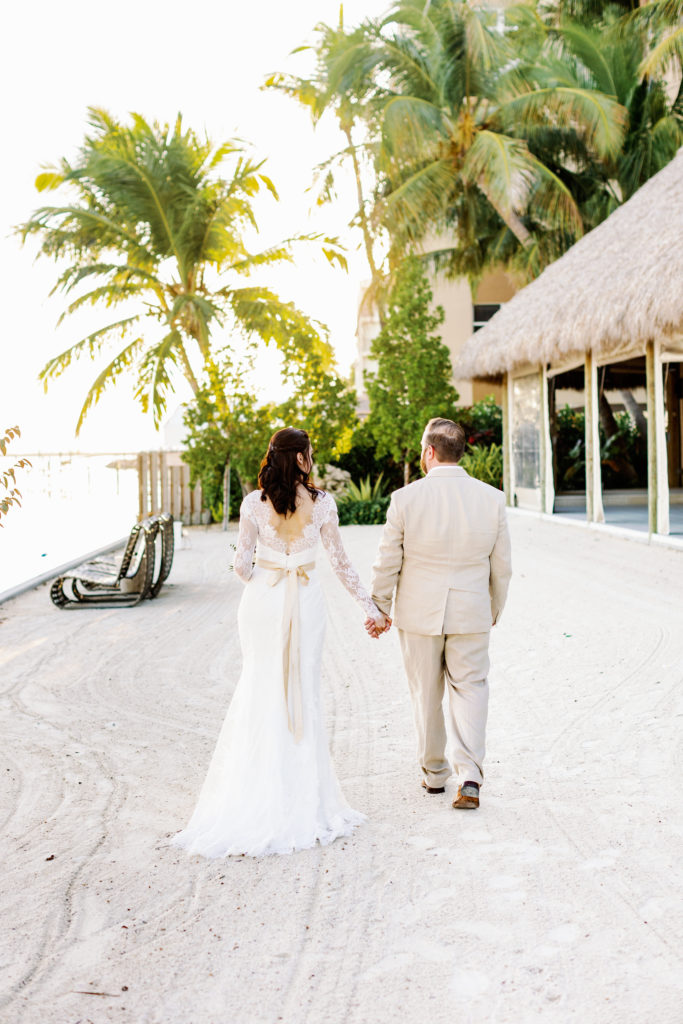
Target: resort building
(464, 313)
(604, 320)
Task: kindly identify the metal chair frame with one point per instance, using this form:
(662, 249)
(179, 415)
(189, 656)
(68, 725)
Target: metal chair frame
(145, 565)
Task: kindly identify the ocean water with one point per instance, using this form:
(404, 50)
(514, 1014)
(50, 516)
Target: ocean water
(72, 504)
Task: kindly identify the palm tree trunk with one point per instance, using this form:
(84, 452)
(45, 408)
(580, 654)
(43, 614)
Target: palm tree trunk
(406, 472)
(188, 371)
(634, 411)
(512, 221)
(364, 223)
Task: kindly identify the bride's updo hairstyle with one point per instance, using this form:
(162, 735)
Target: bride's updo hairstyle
(280, 473)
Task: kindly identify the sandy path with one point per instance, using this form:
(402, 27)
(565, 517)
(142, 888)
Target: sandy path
(559, 899)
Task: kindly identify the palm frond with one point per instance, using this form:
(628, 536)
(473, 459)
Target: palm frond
(486, 49)
(411, 125)
(585, 44)
(154, 378)
(123, 361)
(223, 151)
(420, 199)
(667, 52)
(259, 312)
(90, 345)
(281, 253)
(76, 225)
(601, 118)
(553, 205)
(504, 170)
(49, 179)
(110, 294)
(120, 273)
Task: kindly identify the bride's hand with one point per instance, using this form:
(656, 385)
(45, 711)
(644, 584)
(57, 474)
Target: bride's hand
(376, 626)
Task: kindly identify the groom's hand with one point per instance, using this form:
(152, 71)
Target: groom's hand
(375, 627)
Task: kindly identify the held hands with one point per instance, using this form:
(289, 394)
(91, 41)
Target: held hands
(376, 626)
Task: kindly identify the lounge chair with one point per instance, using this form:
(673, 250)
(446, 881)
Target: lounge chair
(103, 582)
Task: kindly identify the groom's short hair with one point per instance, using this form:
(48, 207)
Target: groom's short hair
(447, 439)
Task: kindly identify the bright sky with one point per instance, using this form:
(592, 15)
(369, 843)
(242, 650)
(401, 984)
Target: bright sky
(206, 60)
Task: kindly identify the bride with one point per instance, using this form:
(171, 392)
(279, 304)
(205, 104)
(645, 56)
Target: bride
(271, 786)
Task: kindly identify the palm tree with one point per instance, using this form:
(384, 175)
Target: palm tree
(458, 111)
(342, 85)
(663, 22)
(610, 56)
(151, 225)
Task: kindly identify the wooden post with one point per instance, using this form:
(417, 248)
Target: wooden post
(154, 483)
(177, 492)
(507, 440)
(657, 474)
(143, 485)
(197, 503)
(186, 504)
(165, 490)
(546, 449)
(594, 508)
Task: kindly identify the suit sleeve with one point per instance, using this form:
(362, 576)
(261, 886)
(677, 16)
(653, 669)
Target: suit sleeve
(501, 566)
(387, 567)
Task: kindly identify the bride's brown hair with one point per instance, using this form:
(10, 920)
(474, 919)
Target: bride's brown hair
(280, 473)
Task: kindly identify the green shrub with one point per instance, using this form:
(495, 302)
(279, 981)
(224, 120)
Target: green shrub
(623, 457)
(365, 491)
(362, 460)
(485, 462)
(363, 512)
(482, 422)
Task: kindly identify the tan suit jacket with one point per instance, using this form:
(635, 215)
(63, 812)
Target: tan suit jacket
(445, 550)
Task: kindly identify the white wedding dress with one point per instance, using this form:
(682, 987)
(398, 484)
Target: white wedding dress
(271, 786)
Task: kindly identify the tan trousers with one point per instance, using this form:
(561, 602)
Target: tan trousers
(461, 661)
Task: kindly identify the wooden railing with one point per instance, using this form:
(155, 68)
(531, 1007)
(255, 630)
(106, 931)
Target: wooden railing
(164, 486)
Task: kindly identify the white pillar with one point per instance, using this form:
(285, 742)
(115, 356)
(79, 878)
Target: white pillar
(657, 470)
(595, 512)
(511, 459)
(507, 439)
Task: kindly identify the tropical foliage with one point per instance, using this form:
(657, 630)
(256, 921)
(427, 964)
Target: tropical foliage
(155, 220)
(362, 460)
(365, 490)
(609, 55)
(9, 492)
(496, 138)
(485, 462)
(482, 422)
(412, 382)
(368, 512)
(323, 405)
(350, 102)
(230, 436)
(456, 156)
(623, 451)
(363, 503)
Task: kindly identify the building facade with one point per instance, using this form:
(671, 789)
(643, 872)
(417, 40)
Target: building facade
(464, 313)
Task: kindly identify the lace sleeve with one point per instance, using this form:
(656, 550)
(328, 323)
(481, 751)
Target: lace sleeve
(334, 546)
(246, 542)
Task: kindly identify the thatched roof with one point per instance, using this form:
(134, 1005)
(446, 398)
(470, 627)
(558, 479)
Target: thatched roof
(621, 284)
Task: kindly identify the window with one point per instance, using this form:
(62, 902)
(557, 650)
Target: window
(526, 439)
(483, 312)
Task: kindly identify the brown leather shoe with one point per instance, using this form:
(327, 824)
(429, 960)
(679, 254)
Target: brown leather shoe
(433, 789)
(468, 796)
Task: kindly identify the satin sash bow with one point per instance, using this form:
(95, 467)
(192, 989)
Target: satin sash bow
(291, 670)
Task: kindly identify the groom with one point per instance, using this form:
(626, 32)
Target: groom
(445, 550)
